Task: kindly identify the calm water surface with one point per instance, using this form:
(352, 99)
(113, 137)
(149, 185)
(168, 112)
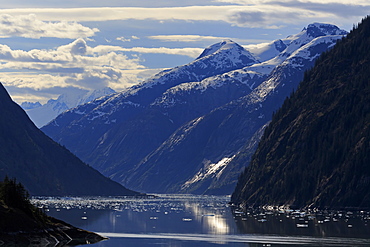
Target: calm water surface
(188, 220)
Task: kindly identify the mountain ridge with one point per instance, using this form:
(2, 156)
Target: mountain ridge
(220, 134)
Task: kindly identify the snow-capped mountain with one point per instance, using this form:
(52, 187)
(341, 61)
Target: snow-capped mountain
(118, 110)
(220, 58)
(205, 147)
(266, 51)
(43, 114)
(30, 105)
(179, 130)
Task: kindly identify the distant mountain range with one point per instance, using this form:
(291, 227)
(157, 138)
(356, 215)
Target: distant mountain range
(40, 164)
(43, 114)
(316, 151)
(179, 130)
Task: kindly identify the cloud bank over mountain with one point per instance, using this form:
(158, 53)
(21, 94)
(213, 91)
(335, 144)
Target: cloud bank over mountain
(49, 47)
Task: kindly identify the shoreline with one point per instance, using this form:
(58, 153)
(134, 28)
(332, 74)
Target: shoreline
(58, 236)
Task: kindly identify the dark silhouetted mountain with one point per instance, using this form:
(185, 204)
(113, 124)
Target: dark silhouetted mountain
(316, 151)
(41, 165)
(165, 134)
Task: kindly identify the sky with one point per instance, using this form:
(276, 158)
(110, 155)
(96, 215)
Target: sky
(52, 47)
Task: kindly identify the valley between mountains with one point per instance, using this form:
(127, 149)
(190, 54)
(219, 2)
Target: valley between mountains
(181, 130)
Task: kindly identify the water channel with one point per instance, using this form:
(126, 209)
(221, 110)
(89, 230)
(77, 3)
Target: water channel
(189, 220)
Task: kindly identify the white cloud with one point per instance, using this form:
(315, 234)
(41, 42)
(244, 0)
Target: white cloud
(123, 39)
(99, 3)
(190, 52)
(185, 38)
(35, 86)
(35, 81)
(78, 65)
(199, 13)
(272, 16)
(76, 55)
(75, 65)
(251, 15)
(245, 13)
(337, 9)
(257, 2)
(77, 47)
(29, 26)
(72, 65)
(200, 38)
(341, 9)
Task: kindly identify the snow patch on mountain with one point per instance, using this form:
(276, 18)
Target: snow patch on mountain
(95, 94)
(297, 59)
(184, 132)
(230, 51)
(266, 51)
(306, 52)
(226, 46)
(213, 170)
(246, 76)
(312, 31)
(217, 57)
(323, 29)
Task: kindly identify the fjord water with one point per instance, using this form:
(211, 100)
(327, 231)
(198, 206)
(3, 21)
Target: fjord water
(189, 220)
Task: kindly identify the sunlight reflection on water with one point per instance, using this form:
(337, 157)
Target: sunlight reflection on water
(188, 220)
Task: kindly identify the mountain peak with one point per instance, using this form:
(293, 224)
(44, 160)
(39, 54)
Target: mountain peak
(314, 30)
(224, 45)
(26, 105)
(3, 93)
(322, 29)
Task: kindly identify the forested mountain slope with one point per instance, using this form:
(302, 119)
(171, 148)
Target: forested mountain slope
(316, 150)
